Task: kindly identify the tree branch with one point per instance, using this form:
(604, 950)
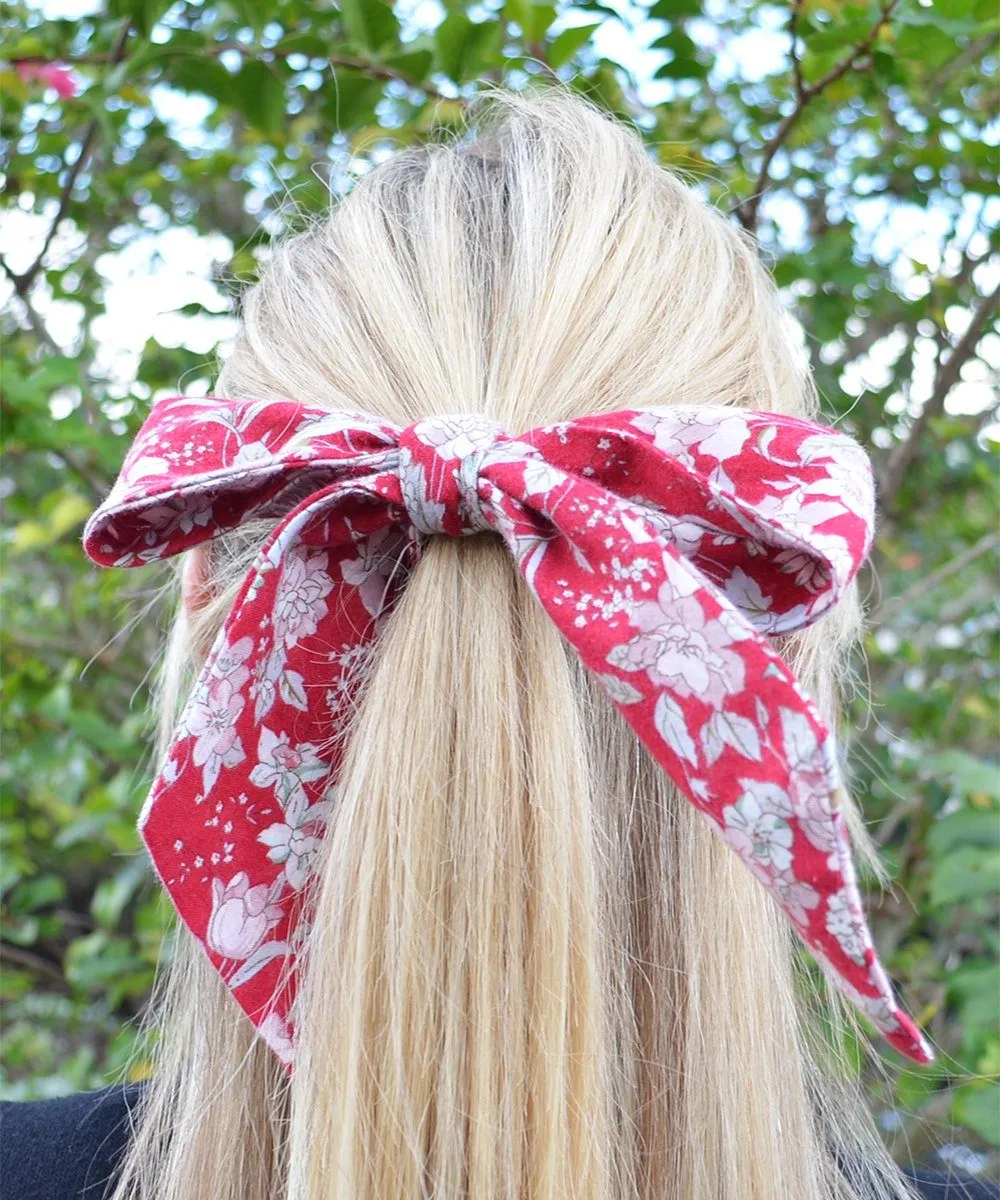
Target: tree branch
(985, 545)
(38, 327)
(748, 211)
(23, 282)
(947, 376)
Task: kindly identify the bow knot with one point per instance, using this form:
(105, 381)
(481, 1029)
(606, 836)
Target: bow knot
(666, 545)
(440, 459)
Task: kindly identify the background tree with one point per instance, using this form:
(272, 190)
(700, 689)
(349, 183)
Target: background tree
(168, 142)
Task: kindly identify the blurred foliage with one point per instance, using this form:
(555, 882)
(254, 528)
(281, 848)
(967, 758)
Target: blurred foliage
(860, 154)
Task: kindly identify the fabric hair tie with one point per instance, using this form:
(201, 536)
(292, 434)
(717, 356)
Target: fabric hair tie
(666, 545)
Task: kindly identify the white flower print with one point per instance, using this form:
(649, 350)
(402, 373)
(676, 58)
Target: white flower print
(729, 729)
(250, 454)
(796, 896)
(540, 477)
(425, 513)
(744, 592)
(173, 514)
(808, 569)
(284, 767)
(847, 924)
(296, 841)
(620, 690)
(242, 917)
(718, 432)
(681, 649)
(757, 832)
(277, 1033)
(230, 662)
(457, 437)
(671, 724)
(142, 468)
(266, 673)
(848, 468)
(811, 778)
(302, 590)
(211, 720)
(375, 566)
(214, 710)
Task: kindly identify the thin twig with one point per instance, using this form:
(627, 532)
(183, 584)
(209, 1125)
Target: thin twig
(947, 376)
(34, 962)
(38, 327)
(991, 541)
(747, 212)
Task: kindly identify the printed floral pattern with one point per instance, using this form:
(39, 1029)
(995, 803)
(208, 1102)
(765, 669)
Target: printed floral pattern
(665, 544)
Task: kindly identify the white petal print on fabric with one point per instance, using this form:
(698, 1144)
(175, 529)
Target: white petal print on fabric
(300, 603)
(278, 1035)
(719, 432)
(295, 841)
(242, 916)
(801, 751)
(620, 690)
(796, 895)
(671, 725)
(729, 729)
(416, 498)
(757, 830)
(374, 566)
(214, 709)
(285, 767)
(680, 648)
(847, 925)
(292, 845)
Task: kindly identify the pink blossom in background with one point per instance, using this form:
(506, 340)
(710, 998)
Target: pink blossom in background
(60, 79)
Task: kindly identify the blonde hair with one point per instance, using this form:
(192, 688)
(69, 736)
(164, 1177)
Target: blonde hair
(534, 972)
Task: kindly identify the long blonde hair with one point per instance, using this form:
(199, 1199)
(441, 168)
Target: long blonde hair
(534, 972)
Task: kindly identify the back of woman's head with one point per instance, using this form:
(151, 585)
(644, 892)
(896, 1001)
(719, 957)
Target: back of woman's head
(533, 971)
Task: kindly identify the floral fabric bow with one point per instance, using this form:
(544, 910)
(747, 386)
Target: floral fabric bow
(665, 544)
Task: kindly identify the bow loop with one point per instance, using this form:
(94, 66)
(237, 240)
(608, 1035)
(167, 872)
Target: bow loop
(664, 544)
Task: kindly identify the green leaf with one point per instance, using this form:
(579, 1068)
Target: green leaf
(978, 1106)
(351, 98)
(463, 47)
(969, 775)
(968, 826)
(569, 43)
(260, 94)
(969, 873)
(369, 23)
(672, 10)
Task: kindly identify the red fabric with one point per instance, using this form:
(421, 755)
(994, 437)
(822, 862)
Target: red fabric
(665, 544)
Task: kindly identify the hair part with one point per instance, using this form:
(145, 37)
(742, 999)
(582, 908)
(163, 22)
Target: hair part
(534, 970)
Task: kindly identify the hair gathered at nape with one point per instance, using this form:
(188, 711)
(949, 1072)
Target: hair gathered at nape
(531, 970)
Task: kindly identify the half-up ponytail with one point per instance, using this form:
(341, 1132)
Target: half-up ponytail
(534, 970)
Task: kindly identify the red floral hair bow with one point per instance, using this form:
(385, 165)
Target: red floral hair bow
(665, 544)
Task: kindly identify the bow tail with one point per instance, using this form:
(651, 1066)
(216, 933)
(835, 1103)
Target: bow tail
(237, 813)
(722, 713)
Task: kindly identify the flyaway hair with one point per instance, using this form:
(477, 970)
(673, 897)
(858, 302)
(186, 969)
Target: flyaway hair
(531, 577)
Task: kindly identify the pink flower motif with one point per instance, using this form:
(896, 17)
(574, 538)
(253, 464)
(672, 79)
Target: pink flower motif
(285, 767)
(50, 75)
(242, 917)
(679, 648)
(212, 721)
